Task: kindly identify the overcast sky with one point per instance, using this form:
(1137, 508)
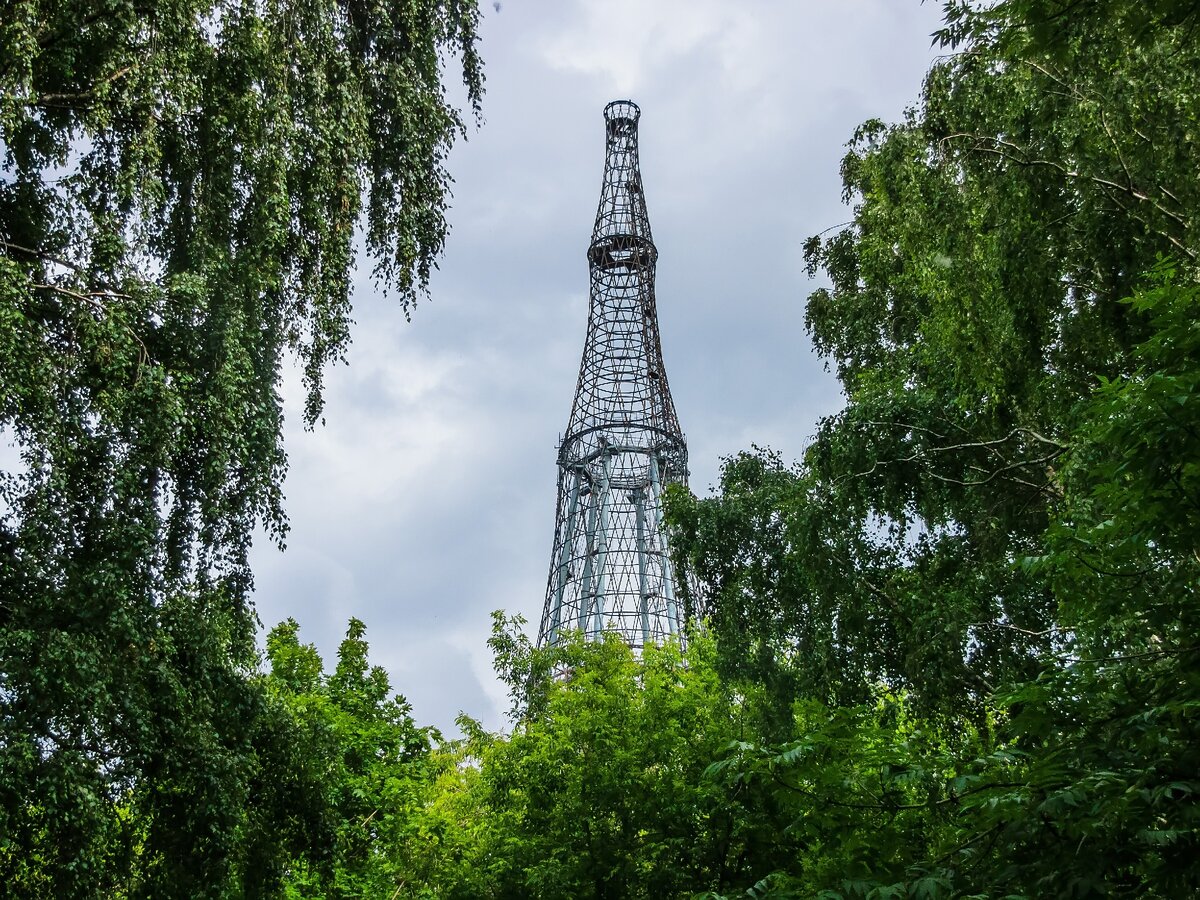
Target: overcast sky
(427, 499)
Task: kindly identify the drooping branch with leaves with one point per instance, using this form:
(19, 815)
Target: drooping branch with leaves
(181, 189)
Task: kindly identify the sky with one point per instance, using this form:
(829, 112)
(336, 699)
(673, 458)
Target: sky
(426, 501)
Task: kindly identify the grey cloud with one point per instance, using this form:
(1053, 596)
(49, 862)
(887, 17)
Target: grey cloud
(427, 500)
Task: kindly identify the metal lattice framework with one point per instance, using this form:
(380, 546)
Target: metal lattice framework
(611, 569)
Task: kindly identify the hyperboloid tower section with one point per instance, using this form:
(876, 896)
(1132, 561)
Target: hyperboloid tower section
(611, 569)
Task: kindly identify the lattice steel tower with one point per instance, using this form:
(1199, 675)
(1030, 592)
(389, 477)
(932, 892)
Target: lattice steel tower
(610, 569)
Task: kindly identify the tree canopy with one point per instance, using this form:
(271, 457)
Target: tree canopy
(998, 525)
(181, 187)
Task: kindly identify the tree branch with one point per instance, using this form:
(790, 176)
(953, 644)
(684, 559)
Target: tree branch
(67, 100)
(1017, 154)
(1149, 654)
(48, 257)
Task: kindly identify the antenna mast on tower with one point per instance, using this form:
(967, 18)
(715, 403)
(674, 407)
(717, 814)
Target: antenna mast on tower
(611, 569)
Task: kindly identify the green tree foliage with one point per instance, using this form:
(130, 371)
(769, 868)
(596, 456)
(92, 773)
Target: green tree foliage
(368, 762)
(974, 301)
(181, 187)
(1083, 783)
(1000, 526)
(1109, 736)
(867, 794)
(603, 793)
